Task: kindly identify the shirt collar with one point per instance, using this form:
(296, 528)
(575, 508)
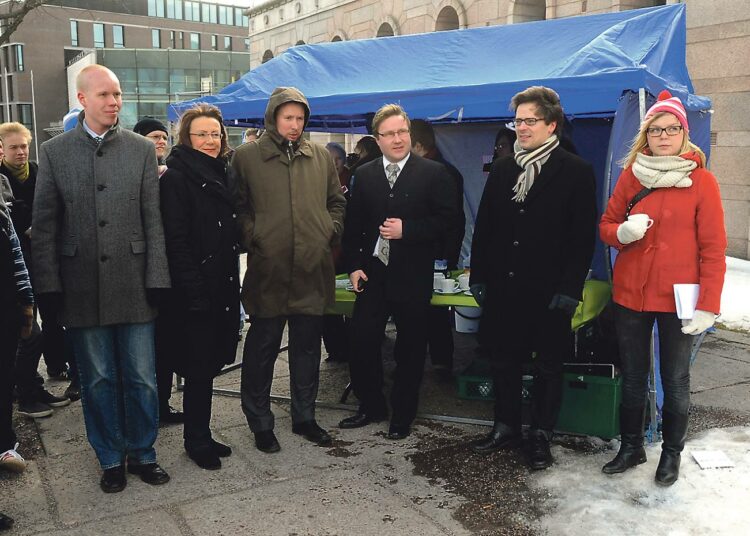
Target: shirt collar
(400, 163)
(92, 133)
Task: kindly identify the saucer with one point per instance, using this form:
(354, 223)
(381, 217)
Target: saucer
(449, 293)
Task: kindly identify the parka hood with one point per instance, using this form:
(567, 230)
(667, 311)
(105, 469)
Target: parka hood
(279, 97)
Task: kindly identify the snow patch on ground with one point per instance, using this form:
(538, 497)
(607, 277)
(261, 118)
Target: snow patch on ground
(584, 501)
(735, 298)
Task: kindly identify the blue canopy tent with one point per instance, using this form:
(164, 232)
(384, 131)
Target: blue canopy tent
(463, 81)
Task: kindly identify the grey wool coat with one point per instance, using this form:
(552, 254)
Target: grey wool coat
(97, 231)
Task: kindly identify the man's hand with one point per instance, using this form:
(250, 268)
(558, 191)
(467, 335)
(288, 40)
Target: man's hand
(358, 278)
(392, 229)
(27, 320)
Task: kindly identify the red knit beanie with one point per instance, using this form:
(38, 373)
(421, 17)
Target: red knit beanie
(667, 103)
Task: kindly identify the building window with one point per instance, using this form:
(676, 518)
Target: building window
(230, 16)
(214, 42)
(192, 11)
(98, 35)
(239, 18)
(18, 53)
(205, 13)
(156, 38)
(213, 18)
(222, 14)
(74, 33)
(195, 41)
(171, 39)
(247, 44)
(118, 36)
(447, 19)
(227, 43)
(26, 116)
(156, 8)
(174, 9)
(267, 55)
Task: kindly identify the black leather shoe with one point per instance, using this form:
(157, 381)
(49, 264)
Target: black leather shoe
(668, 470)
(221, 450)
(73, 392)
(397, 431)
(206, 458)
(501, 437)
(169, 415)
(359, 420)
(113, 479)
(265, 441)
(312, 432)
(6, 522)
(537, 451)
(150, 473)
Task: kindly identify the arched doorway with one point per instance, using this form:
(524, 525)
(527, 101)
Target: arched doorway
(527, 10)
(336, 38)
(267, 55)
(298, 43)
(447, 19)
(385, 30)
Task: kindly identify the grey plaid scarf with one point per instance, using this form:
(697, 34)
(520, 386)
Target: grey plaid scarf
(531, 162)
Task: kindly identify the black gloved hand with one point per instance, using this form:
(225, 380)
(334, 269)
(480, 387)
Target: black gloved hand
(479, 291)
(50, 304)
(156, 297)
(564, 303)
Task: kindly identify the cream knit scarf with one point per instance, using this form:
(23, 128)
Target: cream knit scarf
(531, 162)
(663, 171)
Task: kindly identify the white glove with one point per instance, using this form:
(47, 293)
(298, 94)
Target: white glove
(701, 321)
(630, 231)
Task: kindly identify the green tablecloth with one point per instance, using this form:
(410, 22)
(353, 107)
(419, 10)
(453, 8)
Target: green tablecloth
(595, 296)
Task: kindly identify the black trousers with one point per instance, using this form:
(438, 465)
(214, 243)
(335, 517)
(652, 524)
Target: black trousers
(197, 397)
(440, 336)
(8, 343)
(165, 359)
(548, 334)
(259, 357)
(371, 312)
(336, 336)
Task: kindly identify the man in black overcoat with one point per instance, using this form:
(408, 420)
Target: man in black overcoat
(531, 251)
(400, 208)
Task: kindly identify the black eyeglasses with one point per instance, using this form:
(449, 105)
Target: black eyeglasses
(531, 121)
(671, 130)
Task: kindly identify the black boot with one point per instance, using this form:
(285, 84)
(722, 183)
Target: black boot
(631, 451)
(538, 455)
(673, 431)
(502, 436)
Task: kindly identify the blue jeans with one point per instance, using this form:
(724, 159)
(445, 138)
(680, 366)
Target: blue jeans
(118, 391)
(634, 338)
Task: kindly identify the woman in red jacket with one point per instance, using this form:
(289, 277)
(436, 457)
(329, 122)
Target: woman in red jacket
(674, 234)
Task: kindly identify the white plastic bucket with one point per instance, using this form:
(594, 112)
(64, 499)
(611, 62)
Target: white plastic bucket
(467, 318)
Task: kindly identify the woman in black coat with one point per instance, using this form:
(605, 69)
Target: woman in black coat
(203, 307)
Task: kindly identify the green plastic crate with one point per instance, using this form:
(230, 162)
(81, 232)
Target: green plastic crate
(476, 382)
(590, 405)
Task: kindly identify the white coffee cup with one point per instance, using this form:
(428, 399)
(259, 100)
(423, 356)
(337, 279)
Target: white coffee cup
(436, 279)
(641, 219)
(463, 281)
(448, 286)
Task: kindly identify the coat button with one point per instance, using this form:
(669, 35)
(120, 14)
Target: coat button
(511, 274)
(99, 153)
(521, 211)
(515, 243)
(100, 187)
(390, 195)
(226, 308)
(231, 278)
(103, 258)
(102, 223)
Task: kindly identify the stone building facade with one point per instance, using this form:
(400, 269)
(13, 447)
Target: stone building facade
(718, 39)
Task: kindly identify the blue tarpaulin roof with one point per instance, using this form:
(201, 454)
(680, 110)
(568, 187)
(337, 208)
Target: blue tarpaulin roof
(471, 74)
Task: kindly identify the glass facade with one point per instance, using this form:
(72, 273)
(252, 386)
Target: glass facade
(151, 79)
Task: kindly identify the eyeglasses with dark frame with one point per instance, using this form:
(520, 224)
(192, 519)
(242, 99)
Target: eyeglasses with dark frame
(671, 130)
(530, 121)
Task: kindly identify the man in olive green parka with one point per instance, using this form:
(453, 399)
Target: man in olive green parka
(290, 211)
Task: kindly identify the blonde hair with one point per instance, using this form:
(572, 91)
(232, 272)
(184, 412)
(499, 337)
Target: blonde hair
(640, 142)
(389, 110)
(15, 128)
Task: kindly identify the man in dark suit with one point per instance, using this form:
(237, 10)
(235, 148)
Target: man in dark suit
(401, 206)
(531, 251)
